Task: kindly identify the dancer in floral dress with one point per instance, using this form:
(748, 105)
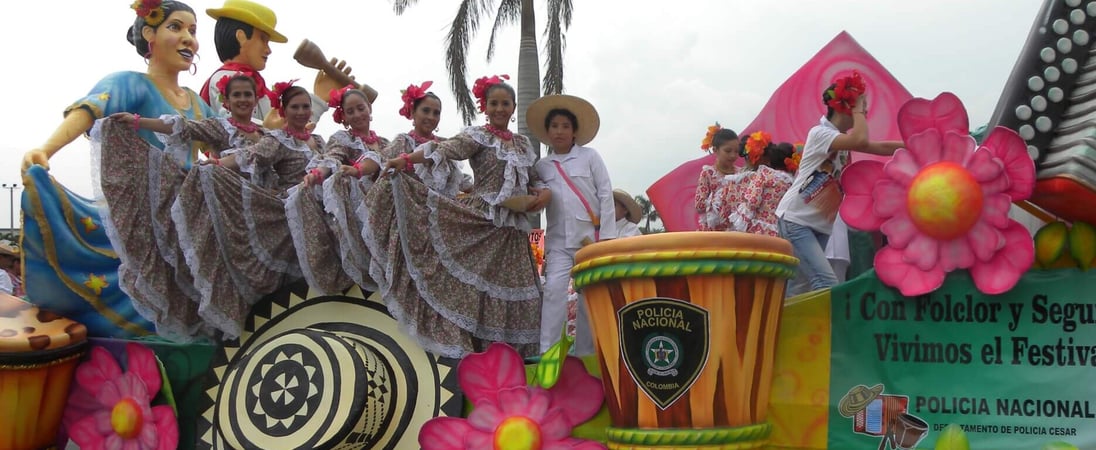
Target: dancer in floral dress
(459, 274)
(724, 143)
(318, 234)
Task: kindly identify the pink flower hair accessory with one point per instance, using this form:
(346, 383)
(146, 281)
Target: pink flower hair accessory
(411, 95)
(510, 414)
(482, 85)
(109, 408)
(943, 201)
(276, 95)
(335, 99)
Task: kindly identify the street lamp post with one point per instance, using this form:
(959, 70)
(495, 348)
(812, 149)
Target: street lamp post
(11, 187)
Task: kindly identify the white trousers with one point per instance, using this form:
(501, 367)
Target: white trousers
(553, 313)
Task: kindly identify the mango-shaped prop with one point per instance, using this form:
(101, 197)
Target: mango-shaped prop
(1051, 242)
(952, 438)
(1082, 244)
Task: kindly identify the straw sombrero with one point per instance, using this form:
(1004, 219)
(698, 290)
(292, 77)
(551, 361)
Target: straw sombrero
(8, 249)
(324, 371)
(588, 120)
(857, 399)
(250, 13)
(634, 211)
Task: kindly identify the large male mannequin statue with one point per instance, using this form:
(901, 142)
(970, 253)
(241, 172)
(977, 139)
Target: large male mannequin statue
(242, 35)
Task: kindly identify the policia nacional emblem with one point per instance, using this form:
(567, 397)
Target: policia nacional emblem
(664, 343)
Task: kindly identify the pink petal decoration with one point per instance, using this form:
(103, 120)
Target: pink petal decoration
(577, 393)
(923, 252)
(672, 195)
(902, 167)
(890, 199)
(858, 181)
(444, 433)
(1010, 148)
(97, 371)
(956, 254)
(910, 281)
(985, 240)
(1001, 272)
(984, 167)
(555, 426)
(899, 230)
(957, 146)
(483, 375)
(995, 210)
(86, 434)
(927, 147)
(140, 360)
(167, 428)
(943, 113)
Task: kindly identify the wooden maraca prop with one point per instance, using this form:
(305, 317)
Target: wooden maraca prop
(310, 55)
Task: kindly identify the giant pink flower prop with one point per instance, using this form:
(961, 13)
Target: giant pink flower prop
(943, 203)
(114, 405)
(511, 415)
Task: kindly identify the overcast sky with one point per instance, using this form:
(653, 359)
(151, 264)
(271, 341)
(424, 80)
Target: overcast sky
(659, 72)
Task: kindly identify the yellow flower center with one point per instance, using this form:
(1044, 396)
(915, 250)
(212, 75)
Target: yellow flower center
(944, 201)
(126, 418)
(517, 433)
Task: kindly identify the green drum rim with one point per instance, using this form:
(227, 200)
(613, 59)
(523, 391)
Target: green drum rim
(679, 436)
(650, 269)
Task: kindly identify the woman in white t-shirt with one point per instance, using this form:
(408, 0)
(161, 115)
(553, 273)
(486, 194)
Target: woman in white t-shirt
(808, 210)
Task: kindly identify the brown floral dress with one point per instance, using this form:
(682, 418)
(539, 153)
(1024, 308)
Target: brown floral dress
(322, 222)
(458, 274)
(250, 251)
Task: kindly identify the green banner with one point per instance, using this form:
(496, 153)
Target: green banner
(1015, 371)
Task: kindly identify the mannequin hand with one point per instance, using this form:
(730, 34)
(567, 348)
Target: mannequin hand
(325, 83)
(36, 156)
(273, 120)
(123, 118)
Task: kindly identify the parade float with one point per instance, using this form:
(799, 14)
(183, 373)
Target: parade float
(969, 333)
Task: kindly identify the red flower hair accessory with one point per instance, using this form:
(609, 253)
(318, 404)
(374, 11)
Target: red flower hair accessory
(706, 144)
(479, 89)
(792, 162)
(843, 95)
(755, 145)
(276, 95)
(150, 10)
(411, 95)
(334, 100)
(222, 86)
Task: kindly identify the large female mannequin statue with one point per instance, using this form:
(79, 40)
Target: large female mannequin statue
(71, 266)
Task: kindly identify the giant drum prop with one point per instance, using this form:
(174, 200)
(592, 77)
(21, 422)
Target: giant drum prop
(685, 327)
(39, 352)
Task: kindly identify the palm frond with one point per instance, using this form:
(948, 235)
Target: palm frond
(399, 6)
(463, 29)
(555, 42)
(509, 12)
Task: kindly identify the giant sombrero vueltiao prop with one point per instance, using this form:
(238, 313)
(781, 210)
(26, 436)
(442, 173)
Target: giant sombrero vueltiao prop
(312, 371)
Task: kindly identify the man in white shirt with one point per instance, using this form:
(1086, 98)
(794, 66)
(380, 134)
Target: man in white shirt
(808, 209)
(580, 210)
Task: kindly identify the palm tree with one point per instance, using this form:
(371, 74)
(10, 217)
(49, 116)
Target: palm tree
(465, 24)
(649, 214)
